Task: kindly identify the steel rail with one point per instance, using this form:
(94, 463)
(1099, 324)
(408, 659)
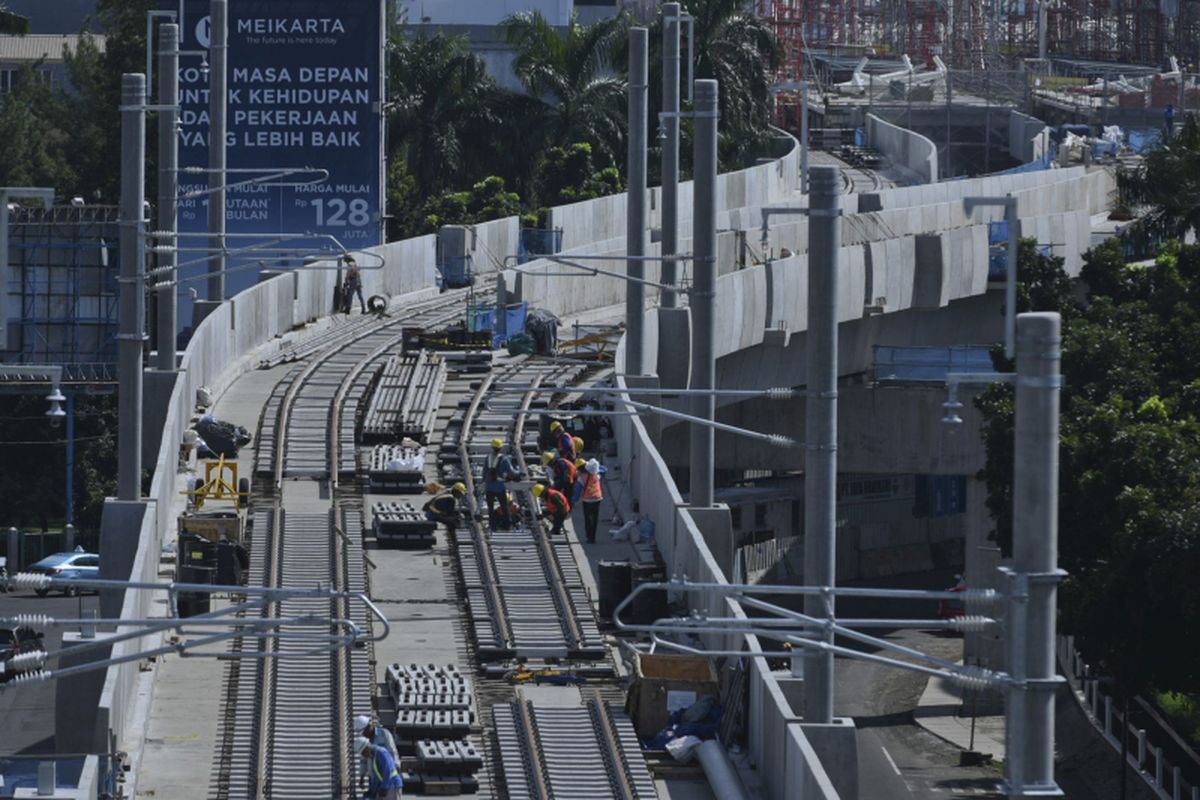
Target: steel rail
(550, 563)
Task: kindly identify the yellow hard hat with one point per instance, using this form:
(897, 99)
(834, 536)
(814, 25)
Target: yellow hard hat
(497, 444)
(547, 457)
(556, 426)
(578, 444)
(459, 488)
(579, 462)
(538, 489)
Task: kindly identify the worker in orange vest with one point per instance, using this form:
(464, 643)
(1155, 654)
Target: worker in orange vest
(563, 471)
(556, 506)
(590, 482)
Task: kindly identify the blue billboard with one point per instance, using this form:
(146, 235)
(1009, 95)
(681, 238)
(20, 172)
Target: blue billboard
(305, 90)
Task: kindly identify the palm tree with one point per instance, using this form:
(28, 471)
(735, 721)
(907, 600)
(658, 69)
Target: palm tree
(442, 113)
(738, 49)
(576, 91)
(1168, 183)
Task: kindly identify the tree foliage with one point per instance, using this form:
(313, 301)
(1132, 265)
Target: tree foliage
(1166, 185)
(574, 80)
(1129, 493)
(568, 175)
(442, 110)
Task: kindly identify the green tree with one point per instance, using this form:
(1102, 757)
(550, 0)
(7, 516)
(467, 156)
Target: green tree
(35, 152)
(573, 78)
(737, 48)
(568, 175)
(1167, 186)
(487, 200)
(442, 114)
(1129, 484)
(12, 23)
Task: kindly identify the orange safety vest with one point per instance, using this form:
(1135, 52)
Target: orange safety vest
(556, 502)
(591, 487)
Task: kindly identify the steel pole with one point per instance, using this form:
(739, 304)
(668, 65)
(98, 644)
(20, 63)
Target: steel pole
(635, 206)
(1010, 279)
(1035, 535)
(217, 103)
(670, 149)
(133, 309)
(69, 509)
(820, 462)
(704, 247)
(3, 270)
(804, 137)
(168, 186)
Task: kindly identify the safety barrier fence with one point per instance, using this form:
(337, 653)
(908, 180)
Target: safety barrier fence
(1149, 747)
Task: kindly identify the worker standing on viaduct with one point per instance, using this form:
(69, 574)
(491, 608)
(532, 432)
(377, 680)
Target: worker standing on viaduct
(498, 469)
(562, 470)
(566, 446)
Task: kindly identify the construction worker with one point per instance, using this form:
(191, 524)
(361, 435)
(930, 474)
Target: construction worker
(563, 472)
(591, 478)
(563, 442)
(556, 506)
(577, 443)
(443, 507)
(353, 285)
(498, 469)
(383, 776)
(377, 735)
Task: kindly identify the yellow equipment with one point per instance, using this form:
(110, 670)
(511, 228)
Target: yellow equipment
(215, 486)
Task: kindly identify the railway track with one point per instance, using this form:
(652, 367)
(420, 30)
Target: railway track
(285, 727)
(287, 712)
(525, 594)
(587, 752)
(856, 180)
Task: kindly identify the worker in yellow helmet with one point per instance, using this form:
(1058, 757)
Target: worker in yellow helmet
(555, 504)
(498, 469)
(563, 442)
(443, 507)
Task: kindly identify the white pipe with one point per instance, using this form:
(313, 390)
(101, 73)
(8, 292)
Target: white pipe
(720, 771)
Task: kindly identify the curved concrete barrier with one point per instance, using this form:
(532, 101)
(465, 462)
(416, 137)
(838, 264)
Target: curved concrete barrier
(907, 149)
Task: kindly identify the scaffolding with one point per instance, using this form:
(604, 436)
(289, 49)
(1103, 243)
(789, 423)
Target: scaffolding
(986, 34)
(63, 279)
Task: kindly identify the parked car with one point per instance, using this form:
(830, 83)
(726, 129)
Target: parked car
(953, 609)
(76, 564)
(16, 641)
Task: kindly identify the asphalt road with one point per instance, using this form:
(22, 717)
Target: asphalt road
(896, 757)
(27, 711)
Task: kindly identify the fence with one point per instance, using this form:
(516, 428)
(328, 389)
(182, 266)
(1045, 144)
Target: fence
(1150, 748)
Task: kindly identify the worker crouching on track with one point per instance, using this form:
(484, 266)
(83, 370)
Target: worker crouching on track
(589, 487)
(383, 776)
(498, 469)
(556, 506)
(443, 507)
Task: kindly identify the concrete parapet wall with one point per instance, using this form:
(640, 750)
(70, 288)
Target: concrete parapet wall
(905, 148)
(789, 765)
(1028, 137)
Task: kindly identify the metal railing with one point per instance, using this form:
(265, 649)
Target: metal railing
(1148, 748)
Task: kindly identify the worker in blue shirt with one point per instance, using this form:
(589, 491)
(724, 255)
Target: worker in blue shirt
(383, 776)
(498, 469)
